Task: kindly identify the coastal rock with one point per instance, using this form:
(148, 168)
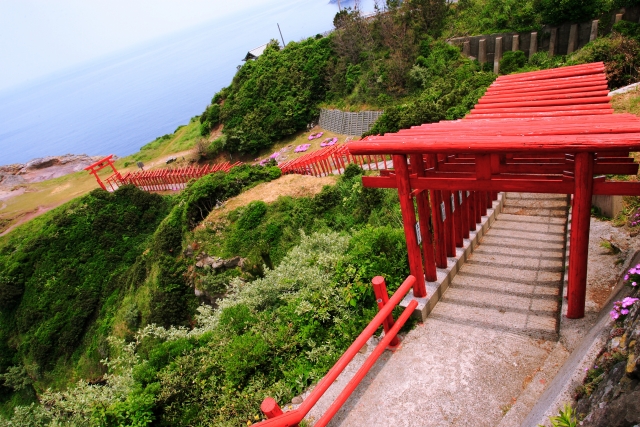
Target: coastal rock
(11, 180)
(44, 168)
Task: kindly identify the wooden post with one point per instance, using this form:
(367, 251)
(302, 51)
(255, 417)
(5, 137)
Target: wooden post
(533, 44)
(618, 18)
(450, 230)
(573, 38)
(438, 229)
(482, 51)
(515, 43)
(437, 208)
(579, 239)
(457, 219)
(594, 30)
(465, 216)
(422, 199)
(409, 222)
(552, 42)
(472, 210)
(94, 173)
(466, 49)
(497, 55)
(382, 298)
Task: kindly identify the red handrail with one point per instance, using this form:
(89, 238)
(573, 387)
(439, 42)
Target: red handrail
(292, 418)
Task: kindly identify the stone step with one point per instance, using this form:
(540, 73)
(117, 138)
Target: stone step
(487, 338)
(544, 205)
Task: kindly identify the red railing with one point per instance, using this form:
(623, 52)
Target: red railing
(276, 418)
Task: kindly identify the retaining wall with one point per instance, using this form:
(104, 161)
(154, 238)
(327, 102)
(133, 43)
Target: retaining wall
(560, 40)
(347, 123)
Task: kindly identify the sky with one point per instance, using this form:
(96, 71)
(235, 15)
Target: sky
(41, 37)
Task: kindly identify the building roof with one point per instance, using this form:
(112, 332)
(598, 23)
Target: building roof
(255, 52)
(561, 110)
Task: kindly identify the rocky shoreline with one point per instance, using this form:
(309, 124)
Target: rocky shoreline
(42, 169)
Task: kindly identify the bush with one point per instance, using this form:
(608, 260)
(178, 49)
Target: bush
(265, 104)
(621, 56)
(448, 86)
(628, 29)
(556, 12)
(512, 62)
(58, 278)
(473, 17)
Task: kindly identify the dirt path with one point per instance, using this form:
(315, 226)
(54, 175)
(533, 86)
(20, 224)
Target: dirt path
(27, 216)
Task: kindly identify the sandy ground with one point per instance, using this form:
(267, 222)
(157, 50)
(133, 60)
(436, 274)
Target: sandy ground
(287, 185)
(604, 266)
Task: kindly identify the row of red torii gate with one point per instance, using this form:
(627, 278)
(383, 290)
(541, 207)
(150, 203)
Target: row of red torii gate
(550, 131)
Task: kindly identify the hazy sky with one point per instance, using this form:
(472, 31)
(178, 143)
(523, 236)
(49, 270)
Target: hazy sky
(38, 37)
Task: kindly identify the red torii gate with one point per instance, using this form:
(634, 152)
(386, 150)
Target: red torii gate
(543, 132)
(101, 164)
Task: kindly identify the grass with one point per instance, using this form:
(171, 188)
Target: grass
(627, 102)
(37, 198)
(300, 138)
(184, 138)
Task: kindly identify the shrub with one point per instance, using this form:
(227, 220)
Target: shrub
(620, 54)
(252, 216)
(58, 278)
(628, 29)
(265, 104)
(512, 61)
(554, 12)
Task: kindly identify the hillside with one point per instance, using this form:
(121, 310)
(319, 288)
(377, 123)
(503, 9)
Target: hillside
(111, 309)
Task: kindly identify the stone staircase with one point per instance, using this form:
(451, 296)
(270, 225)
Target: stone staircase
(489, 346)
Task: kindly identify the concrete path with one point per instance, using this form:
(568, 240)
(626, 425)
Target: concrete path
(486, 340)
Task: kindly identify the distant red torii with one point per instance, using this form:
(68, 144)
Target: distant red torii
(94, 168)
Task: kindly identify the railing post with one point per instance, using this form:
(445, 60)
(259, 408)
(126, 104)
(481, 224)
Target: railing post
(270, 408)
(382, 298)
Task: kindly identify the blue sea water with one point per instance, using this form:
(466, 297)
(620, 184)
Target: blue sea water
(119, 103)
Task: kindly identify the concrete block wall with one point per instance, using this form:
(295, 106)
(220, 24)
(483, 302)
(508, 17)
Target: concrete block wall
(610, 206)
(560, 40)
(348, 123)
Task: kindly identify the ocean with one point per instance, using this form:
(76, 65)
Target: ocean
(119, 103)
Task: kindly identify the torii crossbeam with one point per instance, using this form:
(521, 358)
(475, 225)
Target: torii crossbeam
(549, 131)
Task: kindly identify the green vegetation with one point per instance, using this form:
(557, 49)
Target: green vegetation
(512, 61)
(104, 262)
(277, 330)
(566, 418)
(448, 86)
(182, 139)
(273, 97)
(473, 17)
(100, 292)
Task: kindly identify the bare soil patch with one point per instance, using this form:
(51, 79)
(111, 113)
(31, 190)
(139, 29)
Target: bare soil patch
(605, 266)
(8, 224)
(268, 192)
